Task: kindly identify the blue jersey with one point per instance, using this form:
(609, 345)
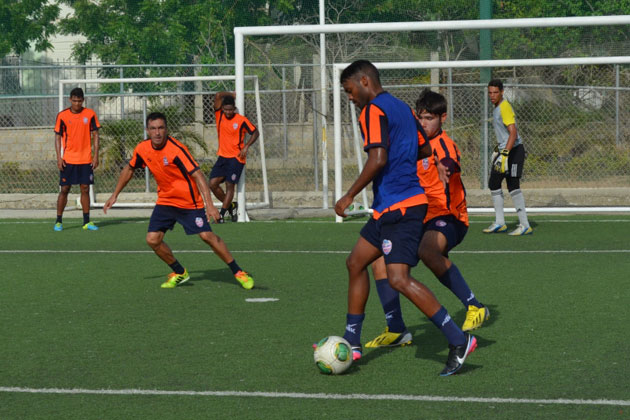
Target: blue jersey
(389, 122)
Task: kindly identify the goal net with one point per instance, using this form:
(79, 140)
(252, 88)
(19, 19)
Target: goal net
(188, 102)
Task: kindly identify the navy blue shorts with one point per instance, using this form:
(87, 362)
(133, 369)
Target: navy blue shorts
(77, 174)
(228, 168)
(163, 218)
(450, 227)
(397, 235)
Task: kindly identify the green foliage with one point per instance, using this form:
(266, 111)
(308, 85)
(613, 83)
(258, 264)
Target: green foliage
(26, 22)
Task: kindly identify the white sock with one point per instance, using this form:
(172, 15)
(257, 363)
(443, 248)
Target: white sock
(519, 203)
(497, 201)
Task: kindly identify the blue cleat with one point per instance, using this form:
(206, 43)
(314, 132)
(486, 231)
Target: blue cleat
(90, 226)
(495, 228)
(58, 227)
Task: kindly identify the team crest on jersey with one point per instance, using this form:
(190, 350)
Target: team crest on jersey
(425, 163)
(387, 246)
(440, 223)
(165, 160)
(235, 126)
(199, 221)
(85, 120)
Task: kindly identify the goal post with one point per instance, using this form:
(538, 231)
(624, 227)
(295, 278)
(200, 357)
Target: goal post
(485, 147)
(242, 216)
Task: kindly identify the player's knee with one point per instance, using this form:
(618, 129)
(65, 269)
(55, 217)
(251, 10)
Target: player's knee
(210, 238)
(153, 241)
(85, 189)
(353, 264)
(65, 190)
(513, 183)
(397, 281)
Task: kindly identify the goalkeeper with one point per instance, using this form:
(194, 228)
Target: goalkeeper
(507, 162)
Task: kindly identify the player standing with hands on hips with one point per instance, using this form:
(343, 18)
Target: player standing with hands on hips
(183, 197)
(391, 134)
(507, 162)
(231, 128)
(76, 145)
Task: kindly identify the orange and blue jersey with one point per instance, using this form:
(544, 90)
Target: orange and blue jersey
(75, 130)
(449, 200)
(232, 134)
(172, 167)
(388, 122)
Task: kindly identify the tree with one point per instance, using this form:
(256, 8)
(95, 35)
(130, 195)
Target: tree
(23, 22)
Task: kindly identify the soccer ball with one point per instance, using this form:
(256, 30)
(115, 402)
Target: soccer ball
(333, 355)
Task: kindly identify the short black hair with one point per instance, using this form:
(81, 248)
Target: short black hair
(228, 100)
(496, 83)
(431, 102)
(156, 116)
(360, 66)
(77, 92)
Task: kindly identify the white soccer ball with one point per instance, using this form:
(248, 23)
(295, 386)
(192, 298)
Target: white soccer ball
(333, 355)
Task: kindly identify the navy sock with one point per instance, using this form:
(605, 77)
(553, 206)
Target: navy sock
(58, 219)
(454, 280)
(234, 267)
(390, 300)
(354, 323)
(445, 323)
(177, 267)
(86, 218)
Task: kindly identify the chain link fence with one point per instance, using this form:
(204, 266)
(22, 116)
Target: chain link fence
(573, 121)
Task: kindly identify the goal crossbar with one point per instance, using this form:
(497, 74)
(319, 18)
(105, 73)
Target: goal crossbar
(261, 141)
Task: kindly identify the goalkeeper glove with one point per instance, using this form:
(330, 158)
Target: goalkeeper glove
(501, 162)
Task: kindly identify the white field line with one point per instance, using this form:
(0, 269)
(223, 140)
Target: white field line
(278, 251)
(299, 395)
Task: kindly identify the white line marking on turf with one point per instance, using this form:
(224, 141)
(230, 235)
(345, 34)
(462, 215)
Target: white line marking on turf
(277, 251)
(299, 395)
(261, 299)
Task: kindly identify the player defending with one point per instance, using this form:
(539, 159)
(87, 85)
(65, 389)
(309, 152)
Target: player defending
(183, 197)
(390, 134)
(231, 128)
(507, 162)
(445, 226)
(76, 144)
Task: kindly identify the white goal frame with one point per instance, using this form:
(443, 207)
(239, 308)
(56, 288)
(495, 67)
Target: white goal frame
(242, 213)
(337, 93)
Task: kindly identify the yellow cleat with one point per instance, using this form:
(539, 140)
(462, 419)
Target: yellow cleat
(244, 279)
(175, 280)
(391, 339)
(475, 317)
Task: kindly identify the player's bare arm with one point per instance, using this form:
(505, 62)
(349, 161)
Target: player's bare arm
(123, 179)
(211, 211)
(377, 159)
(512, 137)
(425, 151)
(95, 146)
(243, 153)
(60, 163)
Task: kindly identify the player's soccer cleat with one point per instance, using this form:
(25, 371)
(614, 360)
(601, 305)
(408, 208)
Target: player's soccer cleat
(58, 227)
(90, 226)
(244, 279)
(475, 317)
(521, 230)
(390, 339)
(175, 280)
(495, 228)
(457, 355)
(233, 211)
(357, 352)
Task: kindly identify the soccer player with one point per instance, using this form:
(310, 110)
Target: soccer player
(231, 129)
(507, 162)
(391, 135)
(445, 226)
(183, 197)
(76, 144)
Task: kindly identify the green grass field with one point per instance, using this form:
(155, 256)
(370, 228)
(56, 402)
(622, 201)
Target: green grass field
(87, 333)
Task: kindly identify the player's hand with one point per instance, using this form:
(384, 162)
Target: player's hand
(95, 163)
(213, 215)
(443, 173)
(108, 204)
(341, 205)
(501, 162)
(61, 164)
(243, 153)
